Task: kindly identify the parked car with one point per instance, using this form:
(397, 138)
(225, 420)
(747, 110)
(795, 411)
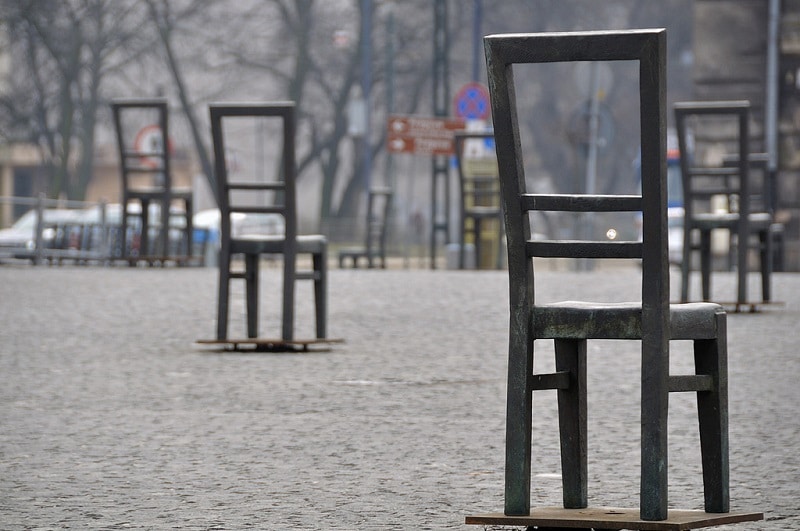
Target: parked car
(19, 240)
(85, 231)
(241, 224)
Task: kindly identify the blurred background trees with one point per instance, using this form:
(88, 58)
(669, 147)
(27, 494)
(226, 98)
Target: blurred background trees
(66, 59)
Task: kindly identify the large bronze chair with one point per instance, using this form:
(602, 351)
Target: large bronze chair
(714, 139)
(379, 205)
(479, 205)
(142, 127)
(260, 195)
(653, 321)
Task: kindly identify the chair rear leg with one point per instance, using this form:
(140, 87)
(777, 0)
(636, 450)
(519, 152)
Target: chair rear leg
(572, 419)
(712, 407)
(462, 243)
(251, 281)
(222, 295)
(765, 238)
(320, 263)
(476, 231)
(705, 263)
(686, 265)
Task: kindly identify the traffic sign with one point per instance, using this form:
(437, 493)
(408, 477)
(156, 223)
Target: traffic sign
(472, 102)
(149, 141)
(422, 135)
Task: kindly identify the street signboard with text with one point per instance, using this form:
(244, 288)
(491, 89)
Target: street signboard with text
(422, 135)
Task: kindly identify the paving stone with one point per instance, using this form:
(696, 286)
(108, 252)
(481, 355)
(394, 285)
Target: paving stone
(111, 417)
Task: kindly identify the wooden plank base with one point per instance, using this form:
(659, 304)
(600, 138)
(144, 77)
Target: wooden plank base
(258, 344)
(613, 518)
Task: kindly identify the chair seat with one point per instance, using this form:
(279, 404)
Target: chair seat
(273, 244)
(729, 220)
(482, 211)
(593, 320)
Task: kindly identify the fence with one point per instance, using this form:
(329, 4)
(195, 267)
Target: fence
(55, 231)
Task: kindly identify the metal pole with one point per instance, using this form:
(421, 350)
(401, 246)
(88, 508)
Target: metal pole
(366, 89)
(591, 158)
(771, 117)
(441, 98)
(477, 38)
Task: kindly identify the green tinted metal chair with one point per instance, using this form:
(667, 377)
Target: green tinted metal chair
(264, 196)
(653, 321)
(479, 205)
(702, 128)
(379, 205)
(142, 125)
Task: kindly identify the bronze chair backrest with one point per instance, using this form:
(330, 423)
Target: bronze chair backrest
(282, 188)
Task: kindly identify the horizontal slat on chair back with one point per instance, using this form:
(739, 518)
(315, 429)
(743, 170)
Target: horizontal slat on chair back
(583, 249)
(256, 186)
(582, 203)
(239, 195)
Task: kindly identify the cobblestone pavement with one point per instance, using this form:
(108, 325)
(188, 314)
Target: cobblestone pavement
(111, 416)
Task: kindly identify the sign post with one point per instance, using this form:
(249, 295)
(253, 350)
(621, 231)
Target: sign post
(433, 137)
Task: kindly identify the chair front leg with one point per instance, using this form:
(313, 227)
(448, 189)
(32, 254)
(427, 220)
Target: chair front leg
(572, 420)
(686, 264)
(320, 263)
(519, 424)
(222, 295)
(705, 263)
(765, 238)
(251, 296)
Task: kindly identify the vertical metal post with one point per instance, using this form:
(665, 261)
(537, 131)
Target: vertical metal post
(591, 159)
(441, 98)
(771, 111)
(38, 237)
(477, 38)
(389, 165)
(366, 89)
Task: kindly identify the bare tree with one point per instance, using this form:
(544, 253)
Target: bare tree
(63, 51)
(165, 21)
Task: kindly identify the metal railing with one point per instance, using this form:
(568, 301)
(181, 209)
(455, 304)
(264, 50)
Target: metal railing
(88, 236)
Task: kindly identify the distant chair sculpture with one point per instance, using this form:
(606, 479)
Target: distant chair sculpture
(142, 128)
(706, 131)
(379, 203)
(479, 203)
(260, 195)
(570, 324)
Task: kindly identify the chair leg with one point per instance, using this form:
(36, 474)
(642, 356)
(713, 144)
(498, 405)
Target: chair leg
(705, 263)
(686, 265)
(765, 237)
(320, 263)
(477, 239)
(462, 242)
(710, 357)
(251, 281)
(499, 257)
(222, 296)
(125, 251)
(144, 237)
(189, 208)
(572, 419)
(287, 313)
(519, 424)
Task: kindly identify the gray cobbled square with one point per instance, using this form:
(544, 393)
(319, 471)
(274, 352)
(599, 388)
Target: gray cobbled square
(112, 417)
